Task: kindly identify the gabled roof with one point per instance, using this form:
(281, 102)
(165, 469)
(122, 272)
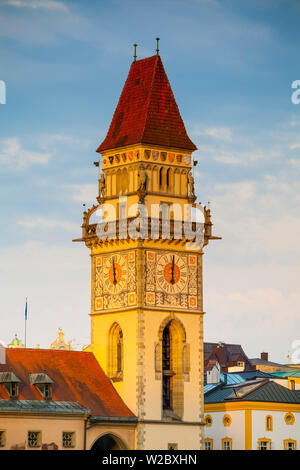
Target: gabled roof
(147, 111)
(77, 378)
(258, 361)
(226, 354)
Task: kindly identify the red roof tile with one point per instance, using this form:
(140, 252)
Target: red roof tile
(147, 111)
(77, 376)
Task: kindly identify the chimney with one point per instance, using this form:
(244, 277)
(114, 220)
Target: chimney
(264, 356)
(2, 353)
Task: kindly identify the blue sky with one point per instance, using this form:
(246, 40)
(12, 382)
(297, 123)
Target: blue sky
(231, 65)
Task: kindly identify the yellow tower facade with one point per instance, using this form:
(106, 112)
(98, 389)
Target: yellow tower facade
(146, 264)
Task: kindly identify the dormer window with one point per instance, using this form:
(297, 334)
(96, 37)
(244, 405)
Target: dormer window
(14, 390)
(11, 383)
(45, 390)
(43, 384)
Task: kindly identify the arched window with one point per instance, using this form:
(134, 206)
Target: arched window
(173, 369)
(160, 178)
(115, 353)
(118, 182)
(169, 180)
(163, 179)
(124, 184)
(167, 372)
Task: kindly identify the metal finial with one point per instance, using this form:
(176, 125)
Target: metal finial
(157, 46)
(134, 57)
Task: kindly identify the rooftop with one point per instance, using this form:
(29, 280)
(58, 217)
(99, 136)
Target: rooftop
(147, 111)
(227, 355)
(262, 390)
(77, 379)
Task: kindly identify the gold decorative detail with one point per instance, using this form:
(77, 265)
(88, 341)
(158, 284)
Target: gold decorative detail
(227, 420)
(60, 343)
(289, 418)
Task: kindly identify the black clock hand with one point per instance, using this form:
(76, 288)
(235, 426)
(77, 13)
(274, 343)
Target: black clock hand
(114, 271)
(172, 279)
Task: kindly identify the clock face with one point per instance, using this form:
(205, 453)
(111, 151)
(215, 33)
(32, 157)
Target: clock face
(114, 281)
(171, 273)
(115, 274)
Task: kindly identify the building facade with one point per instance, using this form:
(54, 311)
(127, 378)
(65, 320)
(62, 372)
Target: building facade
(254, 414)
(146, 289)
(60, 399)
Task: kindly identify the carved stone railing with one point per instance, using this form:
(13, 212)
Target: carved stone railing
(148, 228)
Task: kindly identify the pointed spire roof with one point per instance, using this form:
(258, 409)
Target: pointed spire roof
(147, 111)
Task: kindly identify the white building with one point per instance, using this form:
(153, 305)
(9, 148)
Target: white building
(256, 414)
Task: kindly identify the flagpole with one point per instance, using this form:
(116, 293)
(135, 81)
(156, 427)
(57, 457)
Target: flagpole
(25, 320)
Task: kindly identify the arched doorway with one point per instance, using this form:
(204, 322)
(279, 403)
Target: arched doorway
(108, 442)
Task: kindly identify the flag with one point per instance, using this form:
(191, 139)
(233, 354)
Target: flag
(26, 310)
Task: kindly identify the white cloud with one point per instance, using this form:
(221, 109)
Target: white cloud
(56, 280)
(13, 155)
(38, 4)
(257, 306)
(85, 193)
(47, 140)
(43, 223)
(295, 146)
(220, 133)
(239, 158)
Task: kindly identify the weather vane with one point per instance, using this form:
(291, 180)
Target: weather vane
(157, 46)
(134, 57)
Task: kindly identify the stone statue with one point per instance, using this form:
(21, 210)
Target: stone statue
(142, 184)
(191, 185)
(142, 179)
(102, 186)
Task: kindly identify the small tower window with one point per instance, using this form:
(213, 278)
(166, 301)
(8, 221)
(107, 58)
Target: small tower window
(167, 373)
(119, 354)
(115, 353)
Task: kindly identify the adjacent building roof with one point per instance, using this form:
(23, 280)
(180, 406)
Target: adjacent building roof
(45, 406)
(286, 373)
(147, 111)
(260, 390)
(227, 355)
(234, 378)
(240, 377)
(258, 361)
(77, 378)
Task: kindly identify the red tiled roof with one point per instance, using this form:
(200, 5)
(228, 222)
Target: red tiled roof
(77, 377)
(147, 111)
(211, 364)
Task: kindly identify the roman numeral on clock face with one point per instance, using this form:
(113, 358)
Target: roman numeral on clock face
(171, 273)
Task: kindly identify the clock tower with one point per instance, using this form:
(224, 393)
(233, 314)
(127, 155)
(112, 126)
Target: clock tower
(146, 263)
